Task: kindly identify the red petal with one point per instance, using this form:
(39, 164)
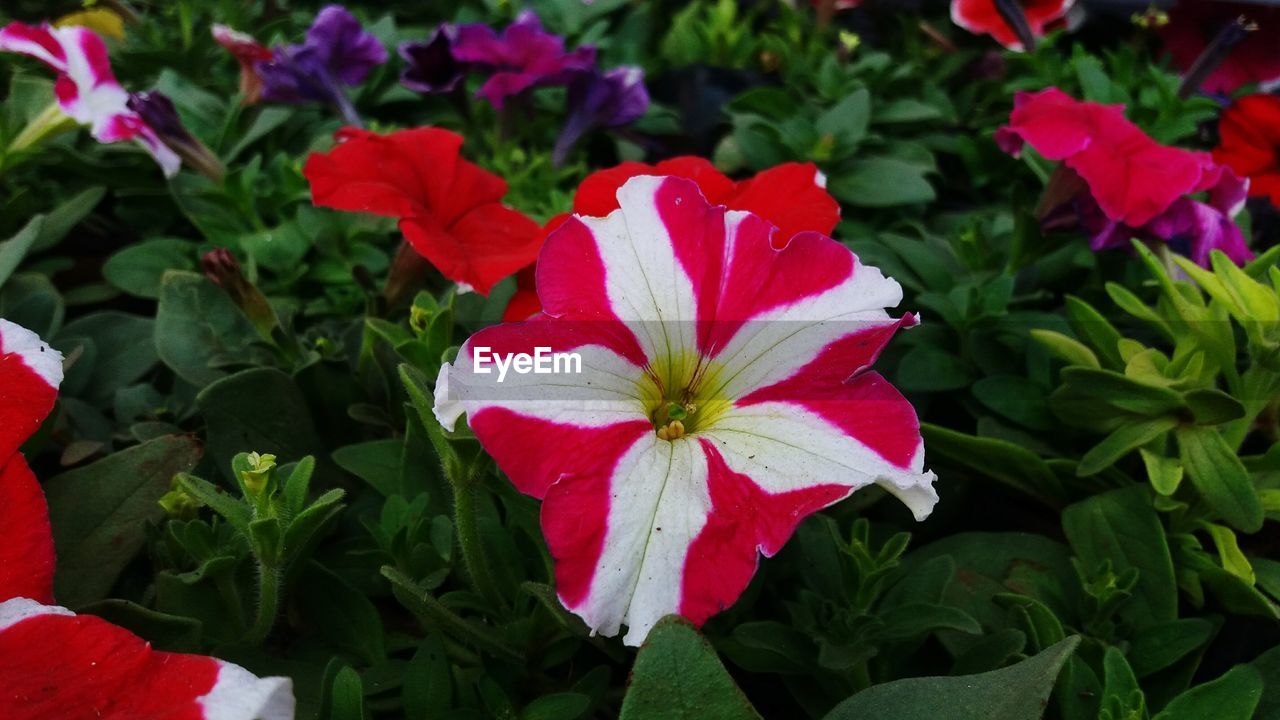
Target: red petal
(597, 196)
(26, 554)
(484, 246)
(30, 372)
(982, 18)
(790, 197)
(1249, 133)
(54, 664)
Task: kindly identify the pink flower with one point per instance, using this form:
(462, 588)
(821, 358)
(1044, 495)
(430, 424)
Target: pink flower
(86, 88)
(723, 395)
(54, 663)
(1128, 184)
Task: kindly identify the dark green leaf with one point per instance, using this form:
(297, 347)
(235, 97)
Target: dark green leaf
(677, 676)
(1220, 477)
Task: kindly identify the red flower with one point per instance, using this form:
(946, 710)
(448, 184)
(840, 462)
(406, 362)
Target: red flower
(449, 209)
(791, 196)
(1193, 26)
(983, 17)
(53, 662)
(1249, 133)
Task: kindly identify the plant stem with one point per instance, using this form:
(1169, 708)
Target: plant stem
(466, 522)
(268, 604)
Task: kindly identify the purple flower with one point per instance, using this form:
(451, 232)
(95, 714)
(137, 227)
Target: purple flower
(523, 57)
(601, 100)
(1191, 227)
(336, 52)
(432, 67)
(157, 111)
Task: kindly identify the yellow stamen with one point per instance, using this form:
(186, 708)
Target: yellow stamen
(673, 431)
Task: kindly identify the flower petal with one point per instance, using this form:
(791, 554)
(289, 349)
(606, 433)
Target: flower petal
(30, 373)
(792, 196)
(55, 664)
(26, 555)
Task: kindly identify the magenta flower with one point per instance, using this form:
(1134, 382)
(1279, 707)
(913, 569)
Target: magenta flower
(1119, 183)
(722, 394)
(337, 52)
(598, 101)
(86, 88)
(523, 57)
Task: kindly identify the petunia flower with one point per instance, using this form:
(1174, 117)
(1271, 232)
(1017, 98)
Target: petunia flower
(430, 66)
(86, 88)
(524, 56)
(248, 52)
(1119, 181)
(337, 52)
(55, 663)
(791, 196)
(1014, 24)
(599, 100)
(723, 395)
(449, 209)
(1250, 57)
(157, 111)
(1249, 142)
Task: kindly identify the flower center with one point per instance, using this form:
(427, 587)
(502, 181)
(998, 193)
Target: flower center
(679, 395)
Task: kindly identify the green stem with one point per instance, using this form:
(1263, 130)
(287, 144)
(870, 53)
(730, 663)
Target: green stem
(268, 604)
(432, 611)
(466, 521)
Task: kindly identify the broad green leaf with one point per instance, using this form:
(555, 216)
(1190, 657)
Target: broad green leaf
(346, 696)
(1121, 696)
(258, 410)
(557, 706)
(1121, 527)
(1002, 461)
(377, 462)
(99, 512)
(1213, 407)
(1229, 554)
(62, 219)
(926, 368)
(847, 120)
(677, 676)
(1231, 697)
(1018, 692)
(1159, 646)
(342, 615)
(1165, 474)
(123, 352)
(1089, 324)
(1120, 391)
(197, 326)
(882, 182)
(138, 269)
(1220, 477)
(1016, 398)
(431, 686)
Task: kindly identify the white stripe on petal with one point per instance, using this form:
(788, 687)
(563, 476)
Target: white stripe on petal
(240, 695)
(783, 446)
(16, 610)
(35, 353)
(658, 503)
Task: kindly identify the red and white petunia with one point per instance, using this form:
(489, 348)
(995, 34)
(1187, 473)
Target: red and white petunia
(55, 663)
(984, 17)
(86, 88)
(723, 396)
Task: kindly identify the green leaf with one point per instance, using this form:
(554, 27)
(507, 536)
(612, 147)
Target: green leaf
(1220, 477)
(1120, 391)
(431, 687)
(13, 250)
(138, 269)
(1165, 474)
(123, 353)
(63, 219)
(1121, 695)
(1002, 461)
(342, 615)
(1229, 554)
(882, 182)
(1121, 527)
(377, 462)
(847, 120)
(557, 706)
(677, 676)
(1213, 407)
(1231, 697)
(1018, 692)
(1016, 398)
(928, 369)
(1067, 349)
(100, 511)
(258, 410)
(196, 325)
(1122, 441)
(1159, 646)
(1089, 324)
(346, 696)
